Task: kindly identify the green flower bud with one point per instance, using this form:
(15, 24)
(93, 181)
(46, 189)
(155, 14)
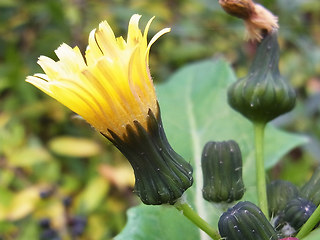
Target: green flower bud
(161, 174)
(263, 95)
(245, 221)
(311, 190)
(222, 172)
(298, 211)
(279, 193)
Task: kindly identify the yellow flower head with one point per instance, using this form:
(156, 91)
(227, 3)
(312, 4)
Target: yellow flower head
(111, 86)
(112, 89)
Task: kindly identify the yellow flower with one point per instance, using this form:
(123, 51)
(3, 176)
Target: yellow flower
(112, 86)
(112, 89)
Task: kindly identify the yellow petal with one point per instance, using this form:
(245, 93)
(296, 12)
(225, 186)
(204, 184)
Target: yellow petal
(93, 52)
(155, 38)
(106, 40)
(71, 57)
(134, 33)
(112, 87)
(40, 83)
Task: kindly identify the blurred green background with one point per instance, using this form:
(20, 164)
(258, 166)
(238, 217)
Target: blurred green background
(53, 166)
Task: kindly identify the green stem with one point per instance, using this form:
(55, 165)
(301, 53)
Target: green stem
(188, 212)
(260, 171)
(309, 225)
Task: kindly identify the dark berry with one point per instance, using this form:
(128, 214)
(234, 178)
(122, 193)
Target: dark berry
(67, 201)
(77, 225)
(44, 223)
(77, 229)
(45, 193)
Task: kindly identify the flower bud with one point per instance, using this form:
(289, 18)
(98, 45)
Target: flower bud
(279, 193)
(222, 172)
(298, 211)
(311, 190)
(245, 221)
(263, 95)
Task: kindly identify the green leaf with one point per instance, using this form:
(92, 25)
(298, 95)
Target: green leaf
(154, 225)
(194, 110)
(314, 235)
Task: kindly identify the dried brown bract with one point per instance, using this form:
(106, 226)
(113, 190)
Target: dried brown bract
(257, 18)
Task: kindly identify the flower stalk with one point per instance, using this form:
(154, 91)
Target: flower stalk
(189, 213)
(260, 171)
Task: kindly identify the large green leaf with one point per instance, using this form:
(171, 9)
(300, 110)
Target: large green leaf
(157, 223)
(194, 110)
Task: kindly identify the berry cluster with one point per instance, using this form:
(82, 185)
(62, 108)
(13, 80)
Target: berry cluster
(47, 232)
(75, 224)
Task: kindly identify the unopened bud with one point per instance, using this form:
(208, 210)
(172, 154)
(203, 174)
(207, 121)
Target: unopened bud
(222, 172)
(279, 193)
(263, 94)
(245, 221)
(298, 211)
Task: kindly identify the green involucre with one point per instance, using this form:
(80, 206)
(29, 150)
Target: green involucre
(161, 174)
(298, 211)
(263, 94)
(279, 193)
(245, 221)
(221, 164)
